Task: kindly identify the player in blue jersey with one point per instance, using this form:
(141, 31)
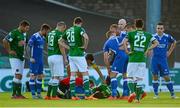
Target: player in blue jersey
(159, 59)
(122, 34)
(36, 44)
(112, 44)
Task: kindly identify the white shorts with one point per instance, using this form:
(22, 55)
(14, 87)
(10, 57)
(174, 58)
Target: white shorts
(56, 65)
(136, 70)
(78, 64)
(17, 66)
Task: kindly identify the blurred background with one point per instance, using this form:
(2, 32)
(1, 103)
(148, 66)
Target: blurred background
(98, 15)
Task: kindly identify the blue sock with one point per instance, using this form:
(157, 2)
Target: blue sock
(170, 87)
(125, 87)
(39, 85)
(32, 86)
(155, 86)
(114, 85)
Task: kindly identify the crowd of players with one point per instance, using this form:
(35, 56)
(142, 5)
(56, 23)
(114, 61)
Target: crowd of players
(127, 44)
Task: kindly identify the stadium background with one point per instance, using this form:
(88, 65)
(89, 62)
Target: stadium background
(97, 14)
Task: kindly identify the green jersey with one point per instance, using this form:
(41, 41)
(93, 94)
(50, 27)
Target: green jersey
(53, 46)
(74, 37)
(104, 89)
(139, 42)
(17, 43)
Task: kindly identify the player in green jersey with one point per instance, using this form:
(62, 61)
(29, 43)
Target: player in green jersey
(55, 60)
(139, 41)
(14, 42)
(77, 40)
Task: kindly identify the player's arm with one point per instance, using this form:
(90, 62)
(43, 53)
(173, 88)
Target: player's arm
(63, 52)
(62, 43)
(99, 72)
(106, 61)
(125, 44)
(154, 43)
(9, 38)
(86, 40)
(31, 49)
(172, 46)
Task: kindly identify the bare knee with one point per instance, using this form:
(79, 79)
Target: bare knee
(155, 77)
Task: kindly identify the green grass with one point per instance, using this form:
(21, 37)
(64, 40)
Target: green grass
(164, 101)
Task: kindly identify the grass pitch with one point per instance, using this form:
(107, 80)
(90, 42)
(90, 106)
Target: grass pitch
(164, 101)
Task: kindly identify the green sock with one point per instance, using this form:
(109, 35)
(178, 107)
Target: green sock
(72, 86)
(19, 85)
(49, 90)
(138, 92)
(86, 85)
(14, 88)
(131, 86)
(54, 91)
(135, 85)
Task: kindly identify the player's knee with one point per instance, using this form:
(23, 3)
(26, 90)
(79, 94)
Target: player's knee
(32, 76)
(73, 73)
(112, 74)
(85, 74)
(124, 75)
(40, 76)
(155, 77)
(18, 76)
(167, 78)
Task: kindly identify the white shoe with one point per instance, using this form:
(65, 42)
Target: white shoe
(39, 96)
(174, 97)
(34, 97)
(156, 97)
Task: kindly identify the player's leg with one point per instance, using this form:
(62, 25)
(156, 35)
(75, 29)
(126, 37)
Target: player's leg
(115, 69)
(17, 71)
(32, 80)
(39, 80)
(125, 80)
(140, 75)
(132, 67)
(165, 74)
(82, 66)
(58, 74)
(73, 69)
(50, 63)
(155, 82)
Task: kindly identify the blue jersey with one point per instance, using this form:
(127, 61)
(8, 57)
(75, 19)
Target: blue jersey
(120, 61)
(36, 44)
(113, 44)
(161, 50)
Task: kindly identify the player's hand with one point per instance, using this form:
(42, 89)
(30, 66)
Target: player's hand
(21, 43)
(66, 62)
(148, 53)
(82, 47)
(168, 54)
(32, 60)
(11, 52)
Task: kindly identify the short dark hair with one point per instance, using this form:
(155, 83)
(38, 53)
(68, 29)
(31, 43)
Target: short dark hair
(78, 20)
(160, 23)
(139, 23)
(24, 23)
(90, 57)
(45, 27)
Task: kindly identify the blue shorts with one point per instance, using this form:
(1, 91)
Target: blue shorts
(36, 68)
(159, 66)
(120, 64)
